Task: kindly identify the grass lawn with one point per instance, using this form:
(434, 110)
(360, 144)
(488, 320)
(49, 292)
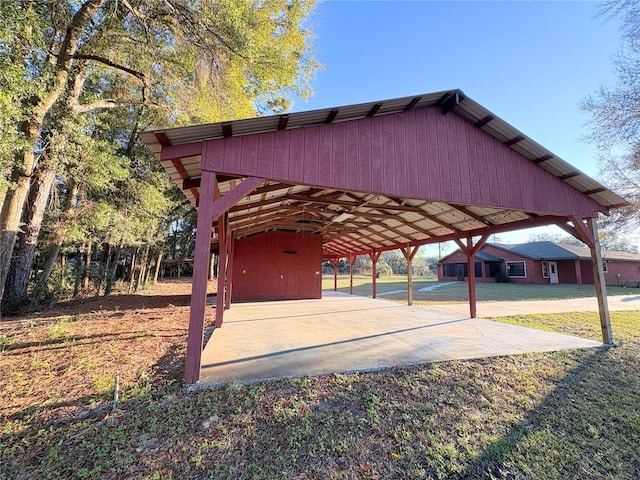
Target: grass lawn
(564, 415)
(456, 292)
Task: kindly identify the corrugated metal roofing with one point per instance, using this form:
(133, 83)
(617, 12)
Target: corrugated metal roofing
(453, 100)
(375, 220)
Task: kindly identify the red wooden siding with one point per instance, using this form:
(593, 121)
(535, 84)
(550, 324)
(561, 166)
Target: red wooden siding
(629, 273)
(419, 154)
(277, 266)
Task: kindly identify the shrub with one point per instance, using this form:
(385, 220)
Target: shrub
(502, 277)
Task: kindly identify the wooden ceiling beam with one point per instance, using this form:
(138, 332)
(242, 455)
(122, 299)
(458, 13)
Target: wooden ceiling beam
(162, 138)
(332, 116)
(484, 120)
(541, 159)
(469, 213)
(374, 109)
(282, 122)
(514, 140)
(412, 104)
(569, 175)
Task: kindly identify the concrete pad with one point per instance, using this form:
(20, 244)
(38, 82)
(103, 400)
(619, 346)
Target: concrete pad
(345, 333)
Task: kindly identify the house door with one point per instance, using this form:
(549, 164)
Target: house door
(553, 272)
(460, 272)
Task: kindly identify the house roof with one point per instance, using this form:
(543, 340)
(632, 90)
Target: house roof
(363, 175)
(546, 250)
(482, 256)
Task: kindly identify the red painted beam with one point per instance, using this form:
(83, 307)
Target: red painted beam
(334, 262)
(222, 270)
(471, 278)
(374, 256)
(195, 335)
(233, 196)
(583, 232)
(352, 259)
(171, 152)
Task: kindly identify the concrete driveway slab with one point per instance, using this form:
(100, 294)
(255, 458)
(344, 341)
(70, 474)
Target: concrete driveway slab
(344, 333)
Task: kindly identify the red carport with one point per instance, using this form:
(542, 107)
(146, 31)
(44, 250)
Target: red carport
(361, 179)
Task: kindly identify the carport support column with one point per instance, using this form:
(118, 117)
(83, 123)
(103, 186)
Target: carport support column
(352, 259)
(374, 256)
(231, 245)
(409, 253)
(222, 270)
(470, 251)
(578, 269)
(335, 262)
(195, 336)
(599, 283)
(589, 234)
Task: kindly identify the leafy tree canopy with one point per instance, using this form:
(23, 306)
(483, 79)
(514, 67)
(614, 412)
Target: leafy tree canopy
(615, 118)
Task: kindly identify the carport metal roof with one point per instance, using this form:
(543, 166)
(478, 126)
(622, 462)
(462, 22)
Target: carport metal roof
(355, 221)
(377, 176)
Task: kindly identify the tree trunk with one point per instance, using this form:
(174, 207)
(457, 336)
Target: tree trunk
(59, 236)
(25, 163)
(157, 269)
(132, 273)
(15, 293)
(112, 271)
(143, 266)
(49, 263)
(104, 266)
(87, 266)
(79, 272)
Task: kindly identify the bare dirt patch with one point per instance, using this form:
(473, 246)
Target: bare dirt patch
(61, 365)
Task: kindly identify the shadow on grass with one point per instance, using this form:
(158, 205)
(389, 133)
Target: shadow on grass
(587, 427)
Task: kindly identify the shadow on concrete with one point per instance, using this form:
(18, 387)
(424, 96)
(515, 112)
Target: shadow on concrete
(329, 344)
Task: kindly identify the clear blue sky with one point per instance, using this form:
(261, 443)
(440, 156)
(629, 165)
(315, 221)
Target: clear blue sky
(531, 63)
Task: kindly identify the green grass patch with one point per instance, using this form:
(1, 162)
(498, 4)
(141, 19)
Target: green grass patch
(456, 292)
(572, 414)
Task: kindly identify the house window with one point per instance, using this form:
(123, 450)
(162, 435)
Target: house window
(452, 269)
(449, 269)
(545, 269)
(477, 269)
(604, 266)
(516, 269)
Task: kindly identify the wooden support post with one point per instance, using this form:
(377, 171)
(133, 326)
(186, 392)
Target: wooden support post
(470, 250)
(230, 242)
(471, 278)
(195, 336)
(578, 269)
(599, 282)
(409, 253)
(222, 270)
(352, 259)
(374, 256)
(335, 262)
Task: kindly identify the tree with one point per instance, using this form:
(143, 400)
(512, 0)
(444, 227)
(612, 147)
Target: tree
(556, 238)
(615, 117)
(161, 61)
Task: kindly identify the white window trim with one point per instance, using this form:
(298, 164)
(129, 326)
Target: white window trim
(545, 271)
(605, 268)
(517, 261)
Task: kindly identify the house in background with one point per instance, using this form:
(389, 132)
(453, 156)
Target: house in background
(542, 262)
